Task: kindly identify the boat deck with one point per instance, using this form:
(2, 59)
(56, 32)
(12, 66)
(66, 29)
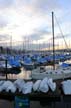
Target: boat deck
(60, 73)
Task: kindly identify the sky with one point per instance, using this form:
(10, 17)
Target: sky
(30, 21)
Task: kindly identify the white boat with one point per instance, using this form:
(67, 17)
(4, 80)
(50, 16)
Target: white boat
(60, 73)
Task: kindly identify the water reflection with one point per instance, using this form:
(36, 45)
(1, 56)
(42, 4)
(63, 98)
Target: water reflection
(24, 74)
(27, 74)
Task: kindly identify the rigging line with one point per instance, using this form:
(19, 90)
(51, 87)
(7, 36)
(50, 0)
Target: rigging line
(61, 32)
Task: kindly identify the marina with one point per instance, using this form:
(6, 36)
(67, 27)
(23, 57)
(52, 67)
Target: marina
(35, 54)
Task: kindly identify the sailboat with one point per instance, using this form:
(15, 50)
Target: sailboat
(59, 73)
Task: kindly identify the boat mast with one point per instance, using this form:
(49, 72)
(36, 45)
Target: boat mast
(11, 43)
(53, 41)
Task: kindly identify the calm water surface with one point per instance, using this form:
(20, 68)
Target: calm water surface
(24, 74)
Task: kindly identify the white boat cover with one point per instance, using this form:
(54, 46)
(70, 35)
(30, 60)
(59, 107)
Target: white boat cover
(52, 84)
(44, 85)
(27, 88)
(8, 85)
(36, 85)
(19, 83)
(66, 86)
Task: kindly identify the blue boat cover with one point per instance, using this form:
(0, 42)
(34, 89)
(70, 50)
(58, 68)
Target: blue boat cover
(13, 62)
(41, 60)
(65, 65)
(27, 60)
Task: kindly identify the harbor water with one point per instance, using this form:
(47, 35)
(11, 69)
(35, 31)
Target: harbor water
(24, 74)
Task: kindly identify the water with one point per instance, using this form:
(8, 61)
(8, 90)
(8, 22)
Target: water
(22, 75)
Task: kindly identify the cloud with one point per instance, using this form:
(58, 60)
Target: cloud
(4, 37)
(3, 21)
(46, 5)
(59, 36)
(44, 29)
(32, 19)
(38, 34)
(37, 46)
(6, 3)
(24, 2)
(38, 7)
